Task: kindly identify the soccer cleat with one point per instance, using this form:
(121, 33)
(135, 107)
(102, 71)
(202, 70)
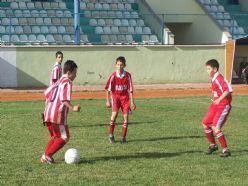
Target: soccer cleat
(123, 141)
(46, 159)
(112, 139)
(211, 149)
(225, 154)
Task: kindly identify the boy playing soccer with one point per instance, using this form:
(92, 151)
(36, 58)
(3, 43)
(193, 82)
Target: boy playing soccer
(218, 110)
(120, 86)
(57, 69)
(58, 98)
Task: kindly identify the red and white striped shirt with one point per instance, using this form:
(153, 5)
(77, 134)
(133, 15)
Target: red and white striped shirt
(56, 73)
(220, 85)
(56, 111)
(120, 84)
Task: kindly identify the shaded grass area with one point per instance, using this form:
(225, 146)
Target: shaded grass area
(165, 145)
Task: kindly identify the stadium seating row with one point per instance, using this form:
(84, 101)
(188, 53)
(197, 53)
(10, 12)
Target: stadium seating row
(111, 14)
(69, 38)
(109, 1)
(128, 39)
(37, 5)
(42, 38)
(37, 21)
(36, 29)
(35, 13)
(116, 22)
(105, 6)
(122, 30)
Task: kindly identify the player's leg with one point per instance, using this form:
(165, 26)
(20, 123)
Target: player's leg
(207, 123)
(44, 158)
(112, 127)
(124, 128)
(219, 121)
(125, 106)
(62, 136)
(115, 109)
(51, 141)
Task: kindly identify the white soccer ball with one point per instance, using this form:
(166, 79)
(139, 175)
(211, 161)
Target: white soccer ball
(72, 156)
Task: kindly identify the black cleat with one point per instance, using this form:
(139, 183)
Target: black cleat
(123, 141)
(211, 149)
(225, 154)
(112, 139)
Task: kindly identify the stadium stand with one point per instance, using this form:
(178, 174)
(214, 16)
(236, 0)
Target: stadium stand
(228, 15)
(51, 22)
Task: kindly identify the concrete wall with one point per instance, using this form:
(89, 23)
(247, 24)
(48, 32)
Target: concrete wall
(188, 28)
(147, 64)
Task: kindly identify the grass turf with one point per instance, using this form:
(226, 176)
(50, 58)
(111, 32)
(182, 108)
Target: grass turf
(165, 145)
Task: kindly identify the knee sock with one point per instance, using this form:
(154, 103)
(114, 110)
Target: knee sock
(221, 138)
(210, 136)
(111, 128)
(124, 130)
(57, 144)
(49, 144)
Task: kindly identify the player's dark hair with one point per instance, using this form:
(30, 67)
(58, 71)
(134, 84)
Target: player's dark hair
(213, 63)
(69, 66)
(121, 59)
(58, 53)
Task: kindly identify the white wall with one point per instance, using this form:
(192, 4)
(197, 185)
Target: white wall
(8, 75)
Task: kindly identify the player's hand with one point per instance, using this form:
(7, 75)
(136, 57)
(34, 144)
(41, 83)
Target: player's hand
(76, 108)
(108, 104)
(216, 102)
(133, 106)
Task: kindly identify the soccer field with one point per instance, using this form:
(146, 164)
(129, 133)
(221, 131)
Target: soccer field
(165, 145)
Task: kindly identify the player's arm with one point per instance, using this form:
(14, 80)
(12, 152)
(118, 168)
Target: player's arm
(75, 108)
(133, 106)
(225, 94)
(108, 104)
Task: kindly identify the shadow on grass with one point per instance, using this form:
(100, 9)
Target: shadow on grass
(106, 124)
(167, 138)
(146, 155)
(239, 152)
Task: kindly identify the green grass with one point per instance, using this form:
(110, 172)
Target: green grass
(165, 145)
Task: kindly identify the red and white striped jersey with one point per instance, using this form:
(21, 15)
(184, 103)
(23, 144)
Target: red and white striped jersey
(120, 84)
(56, 73)
(220, 85)
(55, 110)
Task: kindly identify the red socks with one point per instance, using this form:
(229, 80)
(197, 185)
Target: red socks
(55, 146)
(220, 136)
(111, 128)
(222, 140)
(210, 136)
(124, 130)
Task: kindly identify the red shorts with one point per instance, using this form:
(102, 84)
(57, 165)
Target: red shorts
(216, 115)
(122, 102)
(58, 130)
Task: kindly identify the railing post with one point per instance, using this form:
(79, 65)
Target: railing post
(77, 22)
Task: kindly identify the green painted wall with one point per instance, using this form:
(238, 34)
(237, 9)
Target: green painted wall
(187, 28)
(147, 64)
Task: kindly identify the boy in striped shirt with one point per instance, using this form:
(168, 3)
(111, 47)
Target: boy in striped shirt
(219, 109)
(58, 104)
(57, 69)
